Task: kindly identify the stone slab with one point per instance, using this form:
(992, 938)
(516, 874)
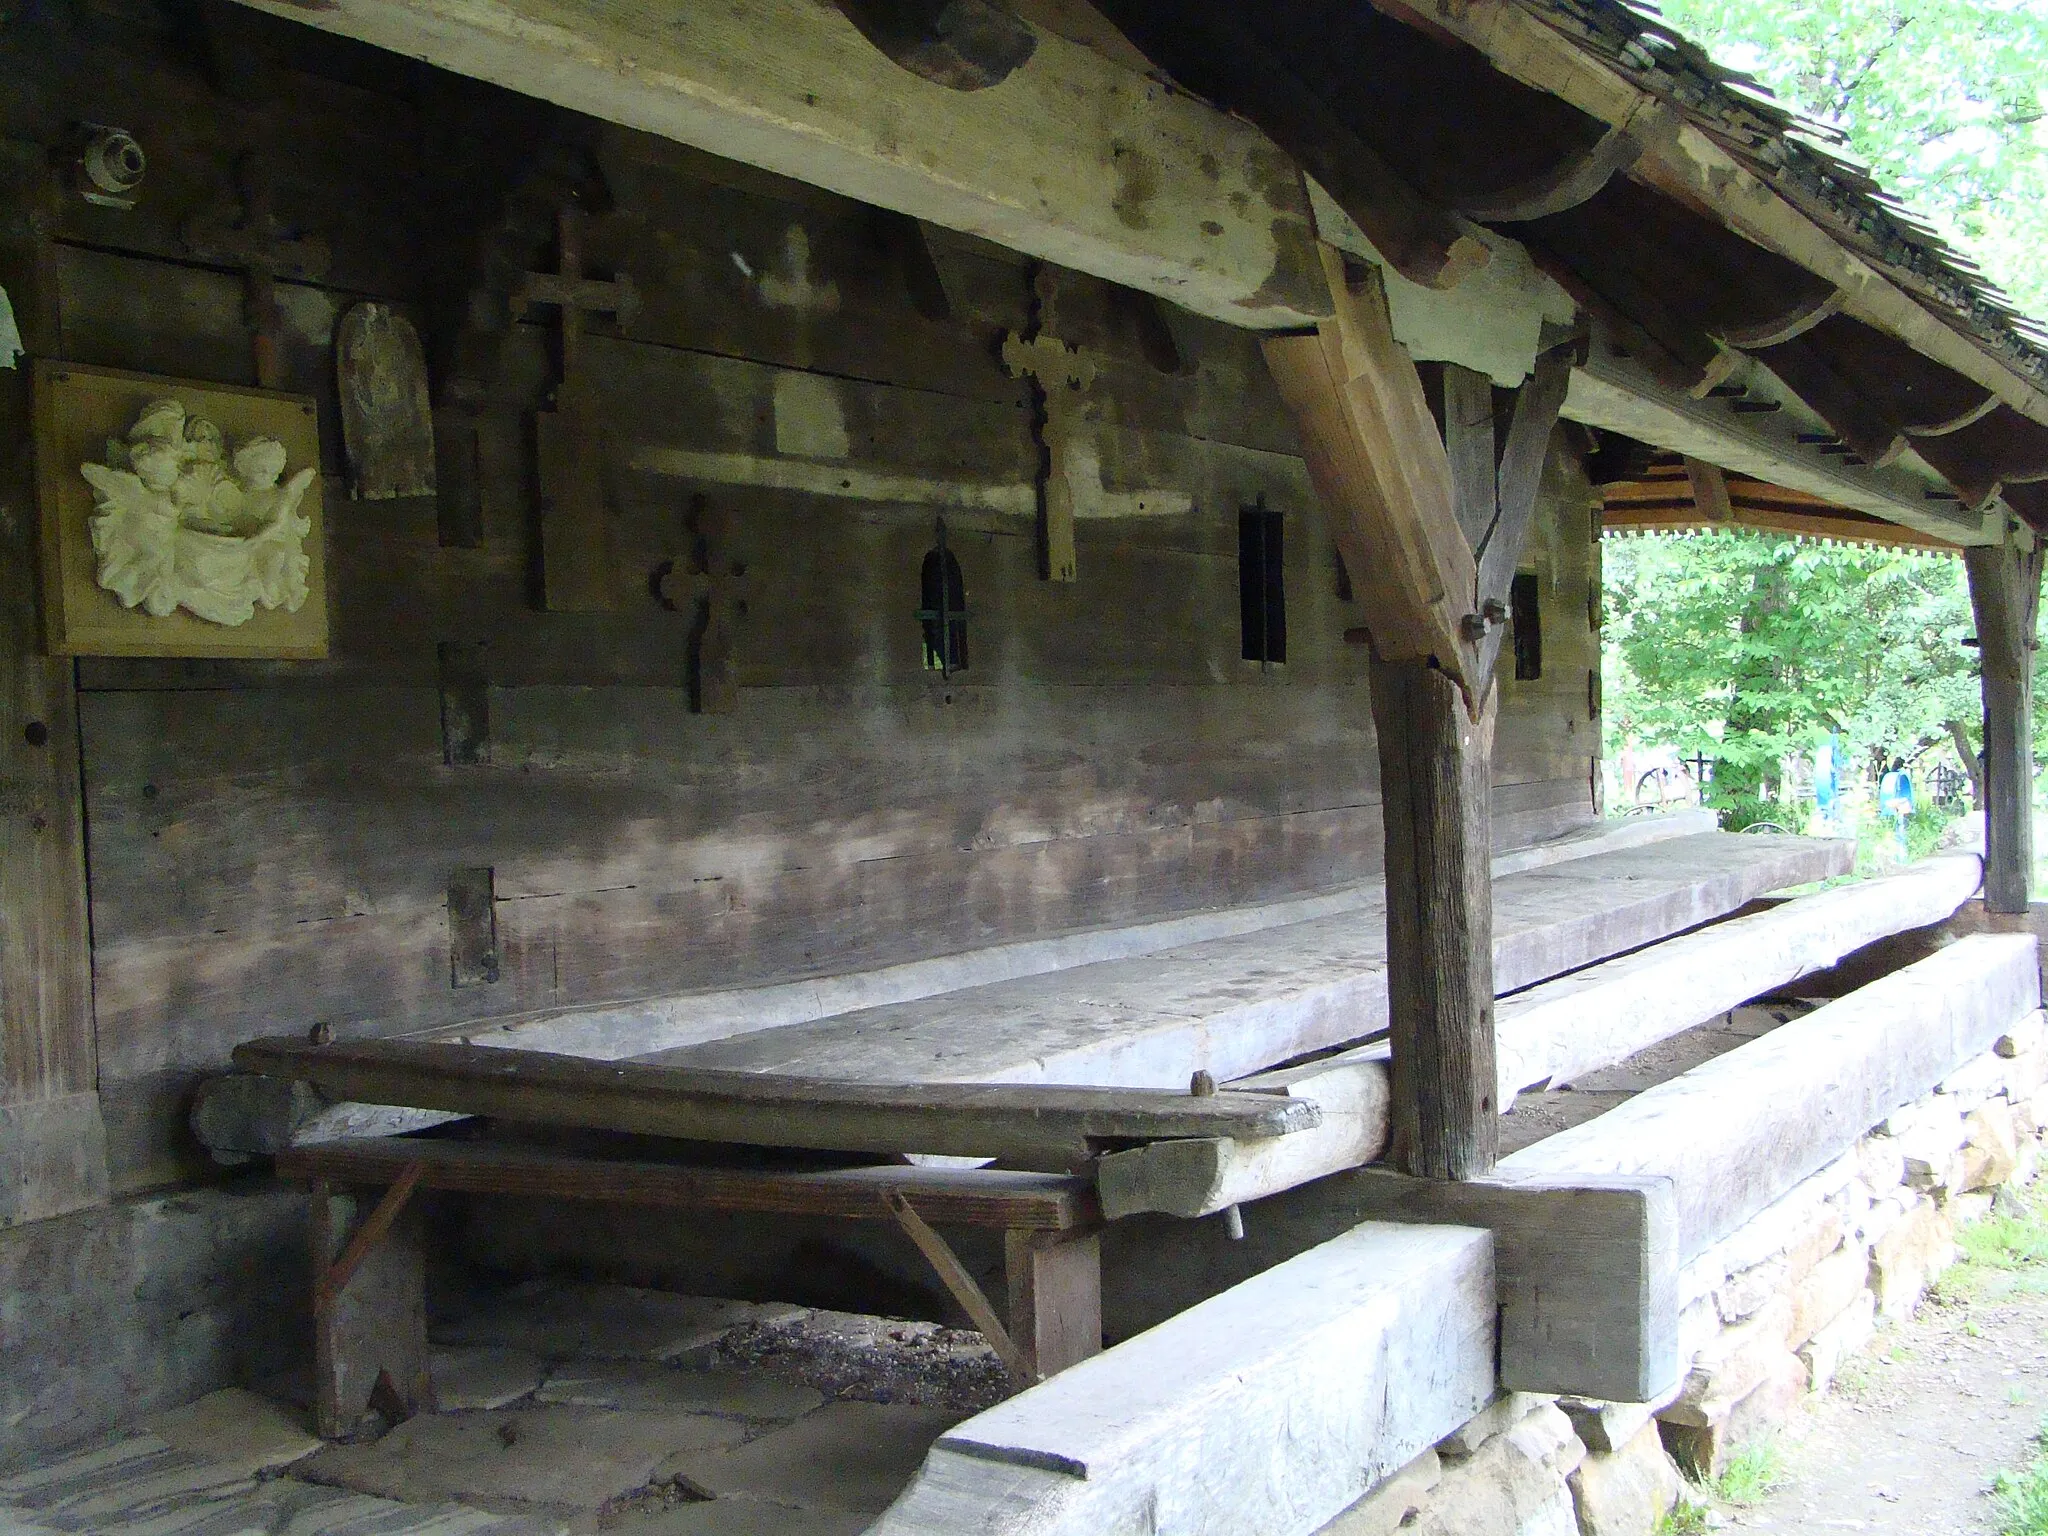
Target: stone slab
(562, 1457)
(643, 1387)
(743, 1517)
(483, 1376)
(236, 1428)
(1266, 1410)
(851, 1457)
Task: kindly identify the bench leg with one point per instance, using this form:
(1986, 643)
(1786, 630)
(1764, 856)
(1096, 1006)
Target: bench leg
(1055, 1297)
(369, 1311)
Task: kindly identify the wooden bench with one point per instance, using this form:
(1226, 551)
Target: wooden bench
(369, 1292)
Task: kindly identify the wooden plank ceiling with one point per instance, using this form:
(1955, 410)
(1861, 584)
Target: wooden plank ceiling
(1411, 130)
(1663, 497)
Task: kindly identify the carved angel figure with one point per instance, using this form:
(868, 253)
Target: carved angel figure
(178, 522)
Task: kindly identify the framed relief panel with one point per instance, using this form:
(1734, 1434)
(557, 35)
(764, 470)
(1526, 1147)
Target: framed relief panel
(178, 519)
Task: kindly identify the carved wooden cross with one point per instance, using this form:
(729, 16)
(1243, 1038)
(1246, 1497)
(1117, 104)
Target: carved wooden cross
(1061, 375)
(257, 243)
(569, 440)
(708, 580)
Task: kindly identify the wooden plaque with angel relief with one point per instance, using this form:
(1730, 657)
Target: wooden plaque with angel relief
(178, 519)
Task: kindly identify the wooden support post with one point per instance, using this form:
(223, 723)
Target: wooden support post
(2005, 593)
(1435, 787)
(1433, 532)
(53, 1145)
(369, 1309)
(1055, 1297)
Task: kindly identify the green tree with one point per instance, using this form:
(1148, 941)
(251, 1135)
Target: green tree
(1752, 647)
(1942, 99)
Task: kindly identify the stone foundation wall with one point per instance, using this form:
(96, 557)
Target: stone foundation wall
(1768, 1316)
(111, 1314)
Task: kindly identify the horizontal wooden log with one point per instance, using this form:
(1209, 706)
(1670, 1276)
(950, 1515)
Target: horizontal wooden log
(1268, 1408)
(1075, 158)
(975, 1197)
(1735, 1134)
(1605, 1013)
(1557, 1029)
(1063, 1125)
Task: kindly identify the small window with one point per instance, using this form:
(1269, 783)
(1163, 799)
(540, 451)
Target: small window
(1261, 595)
(942, 610)
(1528, 621)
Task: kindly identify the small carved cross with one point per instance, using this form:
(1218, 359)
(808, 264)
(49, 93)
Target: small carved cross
(257, 243)
(708, 581)
(1061, 376)
(1059, 373)
(575, 532)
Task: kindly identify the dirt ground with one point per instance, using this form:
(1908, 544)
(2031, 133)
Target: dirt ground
(1918, 1426)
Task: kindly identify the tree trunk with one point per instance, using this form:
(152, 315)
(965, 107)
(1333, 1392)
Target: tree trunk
(2005, 594)
(1960, 735)
(1436, 789)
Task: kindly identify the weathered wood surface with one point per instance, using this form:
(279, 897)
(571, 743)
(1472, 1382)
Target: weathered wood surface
(1607, 1012)
(370, 1333)
(1587, 1266)
(1434, 771)
(1016, 1201)
(1039, 1121)
(387, 417)
(1380, 468)
(1735, 1134)
(795, 89)
(1555, 1030)
(1055, 1297)
(53, 1152)
(1235, 1005)
(2005, 595)
(272, 843)
(1265, 1410)
(251, 1114)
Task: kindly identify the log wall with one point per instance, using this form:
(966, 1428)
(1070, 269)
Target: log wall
(270, 845)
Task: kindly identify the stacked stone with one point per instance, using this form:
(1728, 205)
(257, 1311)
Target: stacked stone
(1767, 1317)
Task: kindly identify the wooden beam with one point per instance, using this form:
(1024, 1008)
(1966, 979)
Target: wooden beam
(1556, 1030)
(2005, 595)
(1435, 784)
(1075, 159)
(1223, 53)
(1795, 322)
(1844, 527)
(1055, 1285)
(1709, 486)
(1058, 1125)
(959, 1197)
(1687, 162)
(53, 1145)
(1602, 1015)
(960, 1284)
(1735, 1134)
(370, 1331)
(1270, 1407)
(1384, 476)
(1468, 444)
(1537, 405)
(1573, 180)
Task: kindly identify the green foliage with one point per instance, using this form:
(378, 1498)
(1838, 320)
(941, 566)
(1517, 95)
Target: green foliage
(1753, 647)
(2004, 1253)
(1941, 98)
(2022, 1497)
(1685, 1518)
(1751, 1475)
